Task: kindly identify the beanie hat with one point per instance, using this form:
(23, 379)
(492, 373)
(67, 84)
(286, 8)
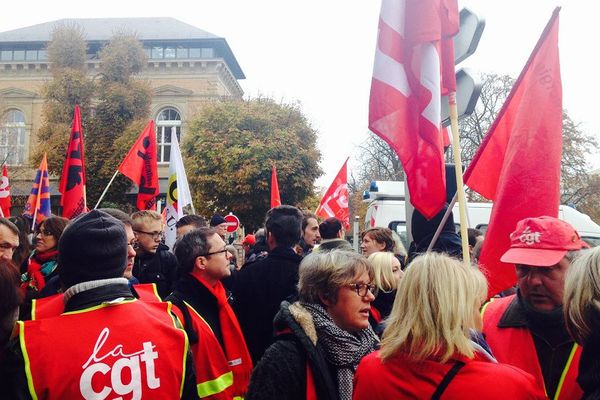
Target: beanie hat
(542, 242)
(217, 220)
(93, 246)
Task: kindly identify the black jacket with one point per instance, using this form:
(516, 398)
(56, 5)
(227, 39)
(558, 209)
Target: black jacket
(12, 368)
(258, 289)
(281, 372)
(159, 268)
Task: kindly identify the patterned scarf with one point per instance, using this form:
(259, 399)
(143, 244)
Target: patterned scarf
(343, 349)
(40, 266)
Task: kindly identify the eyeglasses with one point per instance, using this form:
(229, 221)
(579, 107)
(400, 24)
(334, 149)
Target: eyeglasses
(362, 288)
(212, 253)
(154, 235)
(44, 232)
(524, 270)
(134, 244)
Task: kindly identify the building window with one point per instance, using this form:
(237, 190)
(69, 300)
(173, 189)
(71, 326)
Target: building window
(168, 123)
(12, 138)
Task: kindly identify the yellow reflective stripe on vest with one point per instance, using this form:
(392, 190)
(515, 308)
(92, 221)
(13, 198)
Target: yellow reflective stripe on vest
(27, 361)
(215, 386)
(483, 307)
(565, 371)
(238, 398)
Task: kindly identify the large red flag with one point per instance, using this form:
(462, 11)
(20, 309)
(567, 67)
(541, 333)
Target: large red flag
(72, 180)
(518, 163)
(5, 193)
(275, 199)
(38, 204)
(335, 201)
(410, 73)
(141, 166)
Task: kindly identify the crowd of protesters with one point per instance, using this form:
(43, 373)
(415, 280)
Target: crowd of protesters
(99, 307)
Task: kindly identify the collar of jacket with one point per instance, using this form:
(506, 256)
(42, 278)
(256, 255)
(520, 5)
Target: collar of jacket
(99, 295)
(285, 252)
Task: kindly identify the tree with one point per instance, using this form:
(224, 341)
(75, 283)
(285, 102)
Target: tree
(229, 150)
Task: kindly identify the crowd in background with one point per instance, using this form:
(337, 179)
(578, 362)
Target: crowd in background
(99, 307)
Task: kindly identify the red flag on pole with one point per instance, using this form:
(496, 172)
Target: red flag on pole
(5, 193)
(72, 180)
(335, 201)
(275, 199)
(518, 163)
(141, 166)
(409, 78)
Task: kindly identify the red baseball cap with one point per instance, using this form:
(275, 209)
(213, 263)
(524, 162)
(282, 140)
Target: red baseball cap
(250, 240)
(542, 242)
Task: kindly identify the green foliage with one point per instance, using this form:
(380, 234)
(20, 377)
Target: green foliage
(122, 58)
(230, 148)
(67, 47)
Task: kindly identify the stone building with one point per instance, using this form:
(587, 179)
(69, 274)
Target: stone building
(186, 67)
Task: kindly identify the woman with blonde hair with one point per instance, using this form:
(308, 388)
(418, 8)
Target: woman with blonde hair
(388, 273)
(581, 306)
(321, 338)
(427, 349)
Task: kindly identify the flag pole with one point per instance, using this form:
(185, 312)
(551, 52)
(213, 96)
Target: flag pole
(106, 188)
(462, 203)
(438, 231)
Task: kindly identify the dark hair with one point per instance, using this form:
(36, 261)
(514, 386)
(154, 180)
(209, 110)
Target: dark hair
(10, 225)
(305, 217)
(118, 214)
(381, 235)
(473, 235)
(330, 228)
(196, 220)
(10, 296)
(22, 252)
(191, 245)
(55, 226)
(284, 223)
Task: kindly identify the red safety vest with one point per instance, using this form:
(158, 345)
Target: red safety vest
(130, 349)
(515, 346)
(53, 306)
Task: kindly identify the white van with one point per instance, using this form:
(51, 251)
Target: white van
(387, 208)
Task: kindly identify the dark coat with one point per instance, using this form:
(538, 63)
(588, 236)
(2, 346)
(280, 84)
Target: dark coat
(258, 289)
(281, 372)
(159, 268)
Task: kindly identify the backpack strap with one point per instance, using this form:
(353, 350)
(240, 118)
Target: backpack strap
(447, 379)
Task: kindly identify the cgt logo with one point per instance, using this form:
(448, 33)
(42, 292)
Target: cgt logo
(124, 364)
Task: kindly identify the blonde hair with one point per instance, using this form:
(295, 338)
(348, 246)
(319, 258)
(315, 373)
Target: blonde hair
(141, 217)
(581, 298)
(323, 274)
(435, 307)
(384, 276)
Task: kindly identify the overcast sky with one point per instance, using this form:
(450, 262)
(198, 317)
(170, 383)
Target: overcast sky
(320, 52)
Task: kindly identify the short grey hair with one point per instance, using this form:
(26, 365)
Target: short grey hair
(321, 275)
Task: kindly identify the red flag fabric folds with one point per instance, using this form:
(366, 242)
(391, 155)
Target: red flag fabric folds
(38, 203)
(275, 199)
(518, 163)
(72, 180)
(141, 166)
(5, 200)
(335, 201)
(410, 74)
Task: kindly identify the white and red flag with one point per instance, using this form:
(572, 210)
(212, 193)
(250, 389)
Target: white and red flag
(414, 67)
(518, 162)
(335, 201)
(5, 200)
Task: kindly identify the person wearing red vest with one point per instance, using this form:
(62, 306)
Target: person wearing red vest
(203, 261)
(427, 350)
(527, 329)
(106, 344)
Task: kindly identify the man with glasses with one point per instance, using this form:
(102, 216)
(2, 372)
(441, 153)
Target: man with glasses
(204, 262)
(527, 330)
(154, 263)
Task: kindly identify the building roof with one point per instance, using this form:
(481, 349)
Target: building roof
(160, 29)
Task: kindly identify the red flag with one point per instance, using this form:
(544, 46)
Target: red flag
(38, 204)
(335, 201)
(72, 180)
(275, 199)
(141, 166)
(5, 193)
(518, 163)
(410, 74)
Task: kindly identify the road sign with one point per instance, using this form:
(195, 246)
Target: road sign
(468, 89)
(232, 223)
(467, 38)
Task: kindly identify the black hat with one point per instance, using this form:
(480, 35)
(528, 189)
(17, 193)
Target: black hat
(93, 246)
(217, 220)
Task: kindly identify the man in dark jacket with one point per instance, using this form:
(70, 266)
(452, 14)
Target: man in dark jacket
(260, 287)
(154, 263)
(332, 236)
